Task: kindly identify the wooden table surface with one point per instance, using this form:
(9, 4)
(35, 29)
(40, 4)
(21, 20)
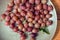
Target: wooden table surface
(57, 6)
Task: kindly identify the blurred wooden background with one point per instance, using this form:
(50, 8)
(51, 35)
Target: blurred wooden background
(57, 6)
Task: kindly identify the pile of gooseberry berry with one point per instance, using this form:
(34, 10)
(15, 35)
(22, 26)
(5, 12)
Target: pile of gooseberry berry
(27, 16)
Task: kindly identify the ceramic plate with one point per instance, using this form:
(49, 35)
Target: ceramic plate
(7, 34)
